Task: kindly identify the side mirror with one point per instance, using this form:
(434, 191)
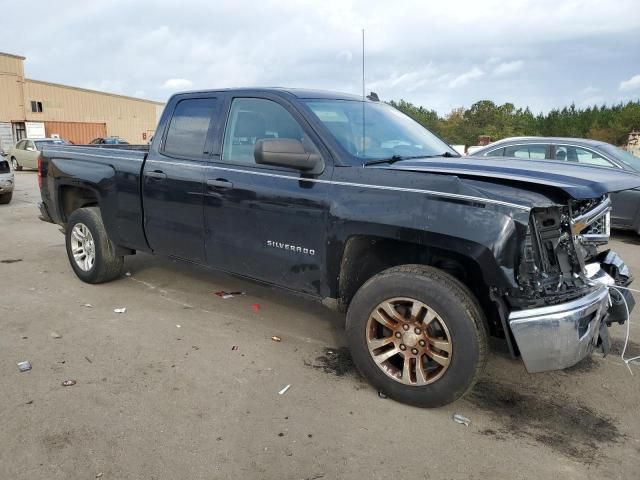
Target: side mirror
(287, 152)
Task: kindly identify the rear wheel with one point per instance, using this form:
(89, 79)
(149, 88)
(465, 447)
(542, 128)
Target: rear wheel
(91, 253)
(15, 165)
(418, 335)
(5, 198)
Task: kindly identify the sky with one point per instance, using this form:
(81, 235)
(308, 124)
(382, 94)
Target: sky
(438, 54)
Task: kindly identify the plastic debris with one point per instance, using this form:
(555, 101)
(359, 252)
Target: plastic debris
(461, 419)
(128, 274)
(235, 347)
(382, 395)
(225, 295)
(284, 390)
(68, 383)
(88, 305)
(120, 310)
(275, 338)
(24, 366)
(178, 326)
(99, 475)
(55, 335)
(255, 307)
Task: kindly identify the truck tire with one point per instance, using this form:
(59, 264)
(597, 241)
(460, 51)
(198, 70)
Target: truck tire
(5, 198)
(91, 253)
(15, 165)
(417, 335)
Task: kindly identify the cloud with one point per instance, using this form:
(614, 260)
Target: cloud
(463, 58)
(463, 79)
(632, 84)
(589, 90)
(507, 68)
(177, 84)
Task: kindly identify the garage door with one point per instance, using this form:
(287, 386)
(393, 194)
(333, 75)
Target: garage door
(76, 132)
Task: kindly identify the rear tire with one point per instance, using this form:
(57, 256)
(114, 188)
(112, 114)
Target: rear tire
(91, 253)
(430, 348)
(15, 165)
(5, 198)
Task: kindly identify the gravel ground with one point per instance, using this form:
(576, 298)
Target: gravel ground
(162, 393)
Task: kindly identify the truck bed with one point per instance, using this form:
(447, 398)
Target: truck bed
(111, 171)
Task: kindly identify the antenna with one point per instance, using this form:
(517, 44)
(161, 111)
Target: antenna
(363, 97)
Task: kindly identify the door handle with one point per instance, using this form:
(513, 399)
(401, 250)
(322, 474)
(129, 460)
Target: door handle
(157, 174)
(219, 183)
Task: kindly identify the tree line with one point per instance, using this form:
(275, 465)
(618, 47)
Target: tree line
(462, 126)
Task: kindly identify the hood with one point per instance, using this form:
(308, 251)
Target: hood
(578, 181)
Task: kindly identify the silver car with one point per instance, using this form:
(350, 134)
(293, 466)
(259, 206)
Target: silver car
(625, 213)
(6, 181)
(26, 152)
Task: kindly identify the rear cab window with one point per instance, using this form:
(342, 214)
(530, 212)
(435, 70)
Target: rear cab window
(585, 156)
(188, 128)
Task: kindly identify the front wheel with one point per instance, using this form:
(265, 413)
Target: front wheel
(15, 165)
(91, 253)
(418, 335)
(5, 198)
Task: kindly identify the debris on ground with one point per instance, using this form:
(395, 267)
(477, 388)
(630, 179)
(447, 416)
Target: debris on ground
(30, 402)
(178, 326)
(88, 305)
(99, 475)
(284, 390)
(55, 335)
(235, 347)
(225, 295)
(276, 338)
(24, 337)
(24, 366)
(87, 359)
(11, 260)
(128, 274)
(461, 419)
(382, 395)
(256, 307)
(120, 310)
(68, 383)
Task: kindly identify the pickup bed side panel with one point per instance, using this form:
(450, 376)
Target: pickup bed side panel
(113, 175)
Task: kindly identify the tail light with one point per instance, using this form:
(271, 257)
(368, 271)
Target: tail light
(40, 176)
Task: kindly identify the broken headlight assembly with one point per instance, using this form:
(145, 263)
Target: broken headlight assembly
(559, 242)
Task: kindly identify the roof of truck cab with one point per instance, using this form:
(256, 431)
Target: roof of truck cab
(301, 93)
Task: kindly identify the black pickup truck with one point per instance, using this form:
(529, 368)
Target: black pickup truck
(351, 202)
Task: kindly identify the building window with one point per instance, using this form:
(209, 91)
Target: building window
(36, 107)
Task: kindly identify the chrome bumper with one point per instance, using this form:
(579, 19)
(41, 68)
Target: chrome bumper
(559, 336)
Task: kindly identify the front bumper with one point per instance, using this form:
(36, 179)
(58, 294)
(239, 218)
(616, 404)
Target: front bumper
(7, 182)
(559, 336)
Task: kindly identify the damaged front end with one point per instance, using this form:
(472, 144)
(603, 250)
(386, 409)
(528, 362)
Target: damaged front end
(564, 302)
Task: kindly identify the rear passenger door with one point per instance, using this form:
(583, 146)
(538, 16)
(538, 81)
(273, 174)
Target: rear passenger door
(173, 179)
(266, 222)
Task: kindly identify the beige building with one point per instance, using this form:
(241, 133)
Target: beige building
(38, 109)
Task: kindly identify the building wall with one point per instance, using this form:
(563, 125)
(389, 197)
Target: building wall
(132, 119)
(11, 81)
(124, 117)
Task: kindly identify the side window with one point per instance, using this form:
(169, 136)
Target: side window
(31, 145)
(252, 119)
(187, 133)
(537, 151)
(495, 153)
(518, 151)
(20, 145)
(591, 158)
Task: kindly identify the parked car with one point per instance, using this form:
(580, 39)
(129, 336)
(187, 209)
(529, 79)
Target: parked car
(6, 182)
(625, 213)
(427, 252)
(26, 152)
(108, 141)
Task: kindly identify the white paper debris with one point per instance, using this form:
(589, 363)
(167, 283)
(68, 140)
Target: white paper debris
(120, 310)
(284, 390)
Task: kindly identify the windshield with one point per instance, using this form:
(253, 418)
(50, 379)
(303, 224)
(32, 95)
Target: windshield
(385, 132)
(625, 157)
(42, 143)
